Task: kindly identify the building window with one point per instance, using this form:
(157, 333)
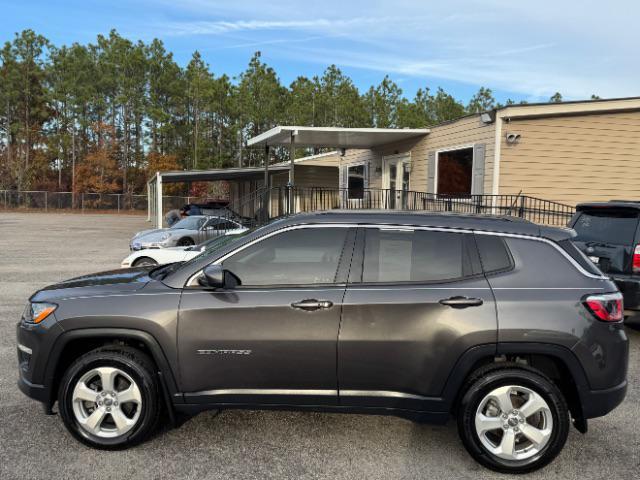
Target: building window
(355, 182)
(455, 169)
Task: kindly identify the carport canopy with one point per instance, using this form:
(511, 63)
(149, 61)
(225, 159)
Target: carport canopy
(154, 185)
(291, 136)
(334, 137)
(330, 137)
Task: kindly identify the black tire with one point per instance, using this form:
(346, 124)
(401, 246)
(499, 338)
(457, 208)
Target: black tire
(144, 262)
(186, 242)
(486, 381)
(138, 367)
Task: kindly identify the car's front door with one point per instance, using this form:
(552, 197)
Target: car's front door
(416, 301)
(273, 339)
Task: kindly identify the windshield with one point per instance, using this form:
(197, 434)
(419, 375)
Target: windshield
(616, 227)
(190, 223)
(212, 246)
(219, 242)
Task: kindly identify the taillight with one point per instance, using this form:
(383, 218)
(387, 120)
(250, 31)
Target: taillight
(636, 259)
(607, 307)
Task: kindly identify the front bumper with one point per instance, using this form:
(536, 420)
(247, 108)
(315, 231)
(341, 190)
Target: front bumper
(137, 246)
(34, 344)
(40, 393)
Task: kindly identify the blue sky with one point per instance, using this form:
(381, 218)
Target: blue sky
(520, 49)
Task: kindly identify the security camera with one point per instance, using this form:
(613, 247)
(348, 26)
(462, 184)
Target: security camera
(512, 138)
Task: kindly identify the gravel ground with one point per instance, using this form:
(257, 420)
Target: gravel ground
(39, 249)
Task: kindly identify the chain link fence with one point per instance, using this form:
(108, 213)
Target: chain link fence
(104, 202)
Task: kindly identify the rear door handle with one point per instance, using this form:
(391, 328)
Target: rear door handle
(312, 304)
(461, 302)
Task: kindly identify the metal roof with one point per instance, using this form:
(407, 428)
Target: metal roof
(335, 137)
(218, 174)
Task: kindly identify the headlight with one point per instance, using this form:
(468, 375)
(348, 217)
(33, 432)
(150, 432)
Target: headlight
(165, 236)
(36, 312)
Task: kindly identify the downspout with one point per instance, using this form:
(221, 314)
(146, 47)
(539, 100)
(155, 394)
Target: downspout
(495, 187)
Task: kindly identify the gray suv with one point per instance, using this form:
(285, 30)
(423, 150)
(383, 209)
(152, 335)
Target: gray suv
(499, 322)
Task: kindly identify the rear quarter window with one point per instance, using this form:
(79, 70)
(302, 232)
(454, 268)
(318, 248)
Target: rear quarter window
(582, 260)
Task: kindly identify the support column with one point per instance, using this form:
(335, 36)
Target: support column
(149, 193)
(290, 189)
(292, 151)
(159, 200)
(266, 166)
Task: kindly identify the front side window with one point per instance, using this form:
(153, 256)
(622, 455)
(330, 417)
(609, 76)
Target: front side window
(356, 181)
(295, 257)
(413, 256)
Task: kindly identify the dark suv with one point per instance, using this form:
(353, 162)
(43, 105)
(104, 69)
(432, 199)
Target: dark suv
(609, 234)
(498, 321)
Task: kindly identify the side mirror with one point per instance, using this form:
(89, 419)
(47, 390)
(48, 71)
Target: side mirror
(214, 276)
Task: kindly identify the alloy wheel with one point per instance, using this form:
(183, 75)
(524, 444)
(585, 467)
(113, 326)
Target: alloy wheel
(106, 402)
(514, 422)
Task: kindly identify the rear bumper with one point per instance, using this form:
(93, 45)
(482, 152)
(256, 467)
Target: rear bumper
(596, 403)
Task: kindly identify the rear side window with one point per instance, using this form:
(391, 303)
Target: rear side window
(494, 254)
(414, 256)
(613, 226)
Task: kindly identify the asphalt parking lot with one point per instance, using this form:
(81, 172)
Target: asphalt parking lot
(39, 249)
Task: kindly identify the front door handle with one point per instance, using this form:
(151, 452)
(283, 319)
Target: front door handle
(461, 302)
(312, 304)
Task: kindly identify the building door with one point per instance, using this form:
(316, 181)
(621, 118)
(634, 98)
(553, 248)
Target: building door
(395, 179)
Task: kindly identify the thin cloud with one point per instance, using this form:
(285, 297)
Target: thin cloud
(224, 27)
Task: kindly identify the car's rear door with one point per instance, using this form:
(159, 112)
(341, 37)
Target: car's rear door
(273, 339)
(416, 301)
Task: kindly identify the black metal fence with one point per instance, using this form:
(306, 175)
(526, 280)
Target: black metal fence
(266, 204)
(263, 204)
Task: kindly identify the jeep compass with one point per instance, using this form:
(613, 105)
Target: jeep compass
(500, 323)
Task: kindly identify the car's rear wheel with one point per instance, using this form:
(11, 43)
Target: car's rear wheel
(108, 398)
(185, 242)
(513, 420)
(144, 262)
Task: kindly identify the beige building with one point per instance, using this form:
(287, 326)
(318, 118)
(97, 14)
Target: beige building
(564, 152)
(494, 162)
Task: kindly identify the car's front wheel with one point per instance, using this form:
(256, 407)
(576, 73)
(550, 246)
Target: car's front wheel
(108, 398)
(185, 242)
(513, 420)
(144, 262)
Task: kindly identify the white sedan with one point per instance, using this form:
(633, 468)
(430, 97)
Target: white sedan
(161, 256)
